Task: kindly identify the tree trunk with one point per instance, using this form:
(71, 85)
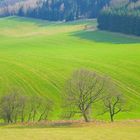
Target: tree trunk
(16, 118)
(29, 117)
(22, 117)
(85, 117)
(34, 115)
(111, 114)
(40, 118)
(22, 114)
(9, 120)
(112, 118)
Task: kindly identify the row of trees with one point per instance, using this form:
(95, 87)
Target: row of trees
(55, 9)
(123, 18)
(16, 107)
(67, 9)
(82, 91)
(10, 8)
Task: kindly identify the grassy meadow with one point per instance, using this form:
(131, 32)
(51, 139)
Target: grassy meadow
(37, 57)
(92, 131)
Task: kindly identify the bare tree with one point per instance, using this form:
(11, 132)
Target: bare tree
(46, 108)
(23, 107)
(82, 90)
(9, 107)
(34, 105)
(114, 101)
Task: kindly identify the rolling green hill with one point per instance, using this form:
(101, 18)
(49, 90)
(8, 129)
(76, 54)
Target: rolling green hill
(37, 57)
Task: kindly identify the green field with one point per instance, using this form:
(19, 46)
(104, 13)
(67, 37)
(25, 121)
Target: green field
(95, 131)
(37, 57)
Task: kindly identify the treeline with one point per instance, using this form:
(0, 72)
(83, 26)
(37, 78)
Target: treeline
(10, 8)
(82, 92)
(124, 18)
(15, 107)
(55, 9)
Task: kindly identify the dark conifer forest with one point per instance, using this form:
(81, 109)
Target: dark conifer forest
(53, 10)
(124, 18)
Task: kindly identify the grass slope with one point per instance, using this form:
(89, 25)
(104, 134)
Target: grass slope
(38, 56)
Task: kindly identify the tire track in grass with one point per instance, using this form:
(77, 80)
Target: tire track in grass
(33, 73)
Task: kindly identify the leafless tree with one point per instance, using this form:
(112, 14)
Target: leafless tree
(23, 107)
(114, 101)
(34, 105)
(82, 90)
(46, 108)
(9, 107)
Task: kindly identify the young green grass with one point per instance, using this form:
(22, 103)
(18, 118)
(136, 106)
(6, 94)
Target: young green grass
(37, 57)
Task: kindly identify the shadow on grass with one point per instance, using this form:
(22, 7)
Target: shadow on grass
(106, 37)
(39, 125)
(50, 124)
